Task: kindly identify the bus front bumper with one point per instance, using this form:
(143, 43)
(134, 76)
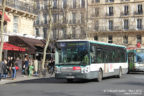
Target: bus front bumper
(74, 75)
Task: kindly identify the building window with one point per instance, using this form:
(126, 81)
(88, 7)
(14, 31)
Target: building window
(82, 18)
(97, 26)
(38, 20)
(74, 3)
(74, 18)
(54, 18)
(126, 24)
(55, 4)
(38, 5)
(64, 3)
(96, 11)
(110, 39)
(83, 3)
(139, 23)
(96, 38)
(15, 24)
(139, 39)
(45, 4)
(83, 33)
(64, 33)
(109, 0)
(37, 32)
(45, 33)
(64, 19)
(110, 11)
(140, 10)
(45, 18)
(125, 39)
(126, 10)
(73, 32)
(54, 34)
(110, 24)
(97, 1)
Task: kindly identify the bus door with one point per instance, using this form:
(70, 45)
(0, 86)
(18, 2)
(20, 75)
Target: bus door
(131, 56)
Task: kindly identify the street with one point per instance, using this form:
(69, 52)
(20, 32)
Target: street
(128, 85)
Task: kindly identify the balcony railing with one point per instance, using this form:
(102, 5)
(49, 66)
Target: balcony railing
(138, 12)
(109, 1)
(19, 5)
(109, 14)
(124, 13)
(118, 28)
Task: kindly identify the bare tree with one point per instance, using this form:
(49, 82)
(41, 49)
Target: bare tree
(48, 34)
(2, 29)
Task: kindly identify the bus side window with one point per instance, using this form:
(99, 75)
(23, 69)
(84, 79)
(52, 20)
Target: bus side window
(99, 55)
(104, 56)
(113, 57)
(117, 55)
(93, 54)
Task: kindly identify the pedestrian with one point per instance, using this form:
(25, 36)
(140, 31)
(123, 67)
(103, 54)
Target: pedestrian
(18, 63)
(26, 65)
(52, 63)
(23, 67)
(4, 68)
(1, 70)
(13, 69)
(36, 66)
(31, 67)
(51, 66)
(9, 64)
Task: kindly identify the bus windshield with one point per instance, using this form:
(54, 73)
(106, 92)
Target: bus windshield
(140, 55)
(72, 53)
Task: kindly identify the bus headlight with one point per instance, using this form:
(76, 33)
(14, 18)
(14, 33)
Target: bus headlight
(85, 70)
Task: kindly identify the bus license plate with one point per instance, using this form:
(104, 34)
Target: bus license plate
(70, 77)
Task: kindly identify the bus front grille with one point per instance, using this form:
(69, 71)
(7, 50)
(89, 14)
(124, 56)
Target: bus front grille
(67, 69)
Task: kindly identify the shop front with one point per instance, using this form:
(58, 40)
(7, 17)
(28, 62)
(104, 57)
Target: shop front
(32, 46)
(11, 49)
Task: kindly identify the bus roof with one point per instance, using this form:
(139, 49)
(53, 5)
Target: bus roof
(92, 41)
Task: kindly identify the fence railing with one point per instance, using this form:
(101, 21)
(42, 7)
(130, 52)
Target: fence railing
(20, 5)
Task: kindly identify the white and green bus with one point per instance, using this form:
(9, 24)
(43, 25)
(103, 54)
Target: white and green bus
(87, 59)
(136, 59)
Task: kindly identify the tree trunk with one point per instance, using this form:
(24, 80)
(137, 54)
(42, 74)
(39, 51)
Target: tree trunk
(2, 29)
(48, 36)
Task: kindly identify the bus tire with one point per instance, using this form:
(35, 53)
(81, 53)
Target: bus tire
(120, 73)
(69, 80)
(99, 79)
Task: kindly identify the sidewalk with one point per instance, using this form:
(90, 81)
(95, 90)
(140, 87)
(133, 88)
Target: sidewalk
(20, 78)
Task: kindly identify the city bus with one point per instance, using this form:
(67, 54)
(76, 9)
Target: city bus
(136, 59)
(88, 59)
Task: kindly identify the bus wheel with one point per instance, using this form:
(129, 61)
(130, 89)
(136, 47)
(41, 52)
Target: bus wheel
(69, 80)
(120, 73)
(99, 79)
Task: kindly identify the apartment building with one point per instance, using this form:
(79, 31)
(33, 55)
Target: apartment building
(68, 19)
(22, 15)
(117, 21)
(112, 21)
(19, 29)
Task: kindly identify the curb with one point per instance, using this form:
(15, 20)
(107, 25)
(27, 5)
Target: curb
(21, 79)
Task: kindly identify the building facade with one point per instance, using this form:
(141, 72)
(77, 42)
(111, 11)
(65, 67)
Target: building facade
(22, 15)
(68, 19)
(19, 30)
(111, 21)
(117, 21)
